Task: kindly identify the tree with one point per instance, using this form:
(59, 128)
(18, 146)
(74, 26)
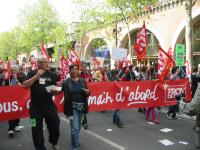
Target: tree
(109, 13)
(129, 9)
(39, 23)
(93, 14)
(5, 44)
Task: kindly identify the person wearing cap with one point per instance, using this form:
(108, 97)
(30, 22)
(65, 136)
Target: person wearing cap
(42, 106)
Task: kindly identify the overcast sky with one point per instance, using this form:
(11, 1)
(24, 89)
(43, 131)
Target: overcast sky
(9, 11)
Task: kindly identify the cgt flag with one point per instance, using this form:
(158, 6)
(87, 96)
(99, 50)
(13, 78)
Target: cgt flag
(165, 63)
(44, 51)
(64, 68)
(140, 45)
(74, 58)
(7, 71)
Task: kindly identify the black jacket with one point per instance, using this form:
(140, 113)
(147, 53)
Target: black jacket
(68, 109)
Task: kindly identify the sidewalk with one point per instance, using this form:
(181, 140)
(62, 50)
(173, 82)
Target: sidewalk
(181, 115)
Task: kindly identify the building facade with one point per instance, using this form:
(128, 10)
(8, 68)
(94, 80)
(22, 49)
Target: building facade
(165, 25)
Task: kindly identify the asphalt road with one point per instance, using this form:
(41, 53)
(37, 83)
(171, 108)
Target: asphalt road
(103, 135)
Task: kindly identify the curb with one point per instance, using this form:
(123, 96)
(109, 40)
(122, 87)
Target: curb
(178, 114)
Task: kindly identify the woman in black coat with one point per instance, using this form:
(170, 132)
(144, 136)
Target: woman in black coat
(75, 102)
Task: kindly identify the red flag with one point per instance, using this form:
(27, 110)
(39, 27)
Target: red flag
(140, 45)
(170, 52)
(34, 64)
(64, 68)
(74, 58)
(165, 63)
(7, 71)
(44, 50)
(125, 63)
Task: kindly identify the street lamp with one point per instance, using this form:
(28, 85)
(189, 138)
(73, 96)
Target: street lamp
(116, 30)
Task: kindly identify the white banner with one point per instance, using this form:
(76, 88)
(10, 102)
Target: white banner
(119, 53)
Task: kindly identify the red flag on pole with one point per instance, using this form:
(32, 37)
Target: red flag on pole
(7, 71)
(140, 45)
(64, 68)
(170, 52)
(74, 58)
(165, 63)
(34, 64)
(44, 50)
(126, 62)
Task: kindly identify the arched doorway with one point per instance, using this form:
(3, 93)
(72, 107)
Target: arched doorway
(195, 40)
(152, 49)
(98, 48)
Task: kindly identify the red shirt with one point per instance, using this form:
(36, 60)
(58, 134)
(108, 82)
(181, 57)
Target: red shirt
(86, 77)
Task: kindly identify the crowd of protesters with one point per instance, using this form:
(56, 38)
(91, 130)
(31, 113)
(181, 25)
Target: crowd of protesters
(75, 91)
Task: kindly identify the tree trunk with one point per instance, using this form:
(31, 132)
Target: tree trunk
(129, 38)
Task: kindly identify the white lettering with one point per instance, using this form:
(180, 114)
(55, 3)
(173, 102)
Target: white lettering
(14, 106)
(119, 96)
(101, 99)
(142, 96)
(28, 104)
(62, 100)
(7, 107)
(172, 92)
(1, 108)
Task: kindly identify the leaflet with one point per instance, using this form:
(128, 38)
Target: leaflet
(53, 88)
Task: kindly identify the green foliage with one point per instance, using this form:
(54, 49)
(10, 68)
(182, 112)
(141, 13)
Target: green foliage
(126, 8)
(6, 44)
(39, 23)
(98, 43)
(99, 16)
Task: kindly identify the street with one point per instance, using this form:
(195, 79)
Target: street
(102, 134)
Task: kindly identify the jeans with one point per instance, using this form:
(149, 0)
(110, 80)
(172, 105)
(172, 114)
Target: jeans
(116, 118)
(75, 123)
